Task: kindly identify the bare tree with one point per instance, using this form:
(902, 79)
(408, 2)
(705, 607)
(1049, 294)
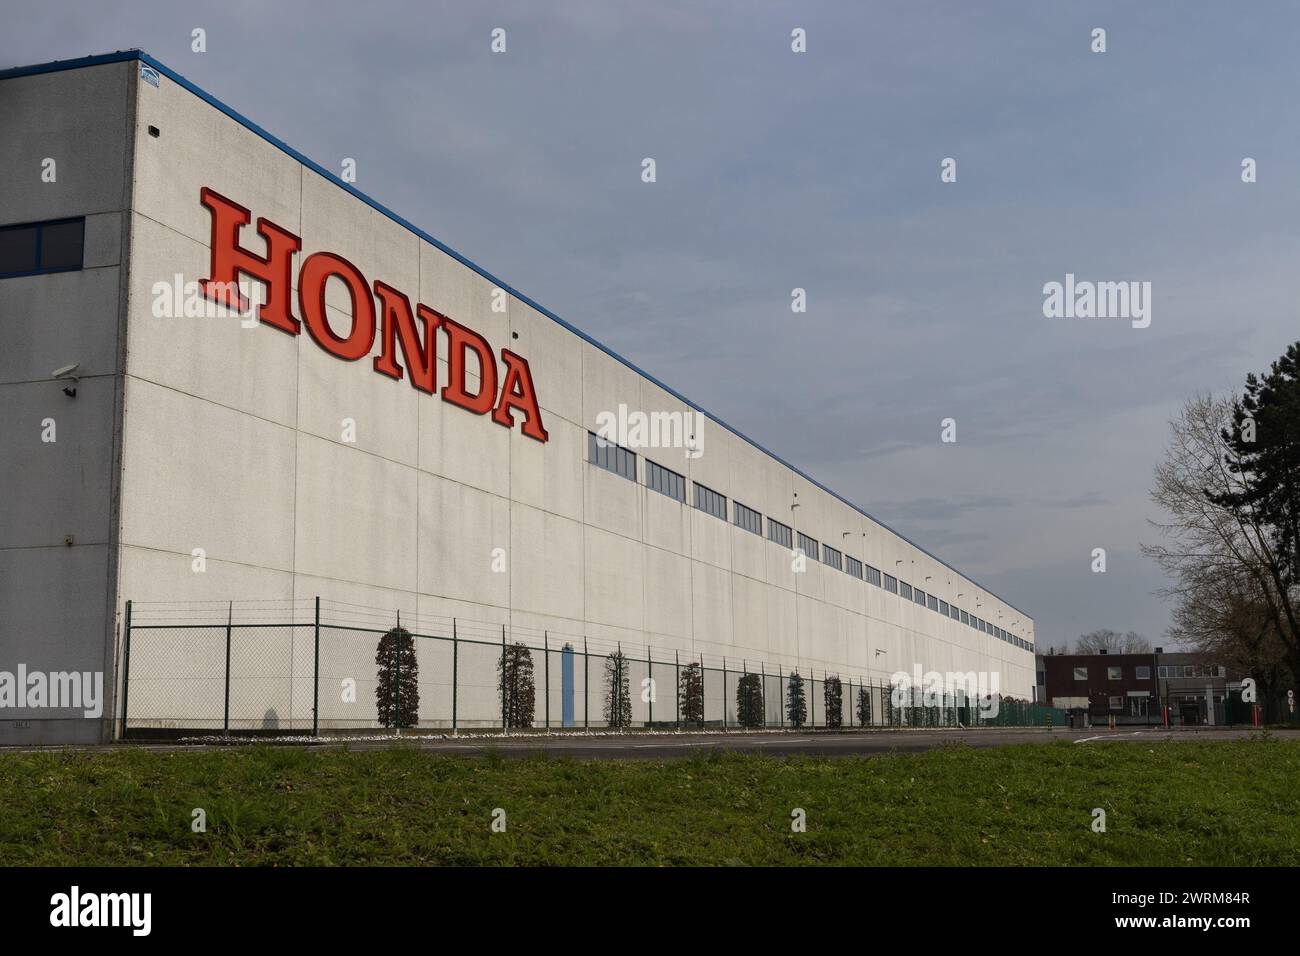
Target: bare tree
(1225, 617)
(1113, 642)
(1231, 593)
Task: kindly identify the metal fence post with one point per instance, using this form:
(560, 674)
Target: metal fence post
(225, 720)
(704, 699)
(126, 666)
(546, 674)
(762, 676)
(315, 675)
(397, 653)
(650, 673)
(504, 680)
(455, 661)
(586, 677)
(724, 693)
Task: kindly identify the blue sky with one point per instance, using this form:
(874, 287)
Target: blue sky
(821, 171)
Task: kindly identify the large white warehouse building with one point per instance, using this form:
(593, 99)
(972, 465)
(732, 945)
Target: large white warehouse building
(349, 442)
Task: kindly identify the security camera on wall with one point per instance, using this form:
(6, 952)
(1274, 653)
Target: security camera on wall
(68, 373)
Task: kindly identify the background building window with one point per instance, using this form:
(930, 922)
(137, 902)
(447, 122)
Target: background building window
(660, 479)
(905, 590)
(747, 518)
(611, 457)
(809, 546)
(1114, 673)
(1117, 703)
(39, 247)
(1143, 673)
(1081, 673)
(932, 602)
(854, 567)
(873, 575)
(706, 499)
(832, 558)
(780, 533)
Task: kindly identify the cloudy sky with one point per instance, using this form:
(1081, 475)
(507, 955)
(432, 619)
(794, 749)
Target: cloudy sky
(821, 170)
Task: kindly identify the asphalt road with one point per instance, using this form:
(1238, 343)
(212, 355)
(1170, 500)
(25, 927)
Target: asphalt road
(820, 743)
(659, 746)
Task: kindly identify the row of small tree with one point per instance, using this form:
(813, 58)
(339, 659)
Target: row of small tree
(750, 709)
(397, 695)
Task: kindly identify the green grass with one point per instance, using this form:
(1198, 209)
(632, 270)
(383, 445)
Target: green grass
(1174, 804)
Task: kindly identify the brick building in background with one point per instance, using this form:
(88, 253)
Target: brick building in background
(1133, 688)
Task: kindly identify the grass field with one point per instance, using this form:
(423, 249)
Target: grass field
(1174, 804)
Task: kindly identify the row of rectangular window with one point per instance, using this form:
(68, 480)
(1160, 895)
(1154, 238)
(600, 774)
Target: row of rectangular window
(747, 518)
(605, 454)
(622, 461)
(1166, 672)
(660, 479)
(708, 500)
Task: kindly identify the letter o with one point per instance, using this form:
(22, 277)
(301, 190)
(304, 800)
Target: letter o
(316, 270)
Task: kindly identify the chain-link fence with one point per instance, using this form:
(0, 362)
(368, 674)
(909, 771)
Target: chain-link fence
(342, 668)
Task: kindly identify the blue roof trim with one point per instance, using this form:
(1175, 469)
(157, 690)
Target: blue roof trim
(134, 54)
(55, 66)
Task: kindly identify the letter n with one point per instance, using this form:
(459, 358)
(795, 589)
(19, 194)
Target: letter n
(397, 322)
(229, 259)
(517, 392)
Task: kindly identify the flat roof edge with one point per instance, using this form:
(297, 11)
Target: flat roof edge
(121, 56)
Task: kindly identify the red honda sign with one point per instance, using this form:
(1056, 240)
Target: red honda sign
(393, 319)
